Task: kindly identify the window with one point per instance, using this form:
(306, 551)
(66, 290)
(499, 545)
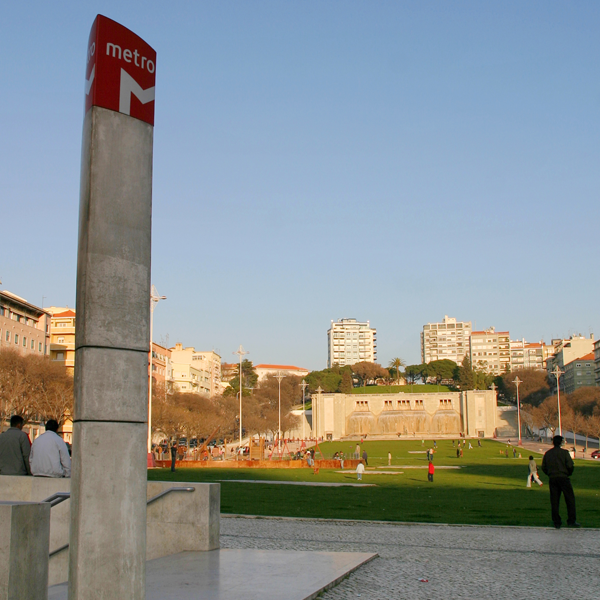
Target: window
(33, 344)
(60, 340)
(16, 338)
(8, 336)
(60, 356)
(24, 342)
(40, 347)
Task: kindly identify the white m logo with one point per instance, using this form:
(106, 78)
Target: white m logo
(130, 86)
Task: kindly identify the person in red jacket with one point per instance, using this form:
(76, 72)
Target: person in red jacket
(430, 472)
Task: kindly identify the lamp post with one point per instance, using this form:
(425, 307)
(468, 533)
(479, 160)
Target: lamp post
(517, 381)
(241, 352)
(303, 385)
(557, 373)
(154, 300)
(279, 377)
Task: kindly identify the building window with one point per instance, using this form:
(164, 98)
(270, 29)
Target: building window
(60, 356)
(60, 340)
(8, 336)
(16, 338)
(40, 347)
(33, 344)
(24, 342)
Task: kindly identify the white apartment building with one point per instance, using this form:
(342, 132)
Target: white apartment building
(566, 351)
(194, 371)
(448, 339)
(350, 341)
(490, 351)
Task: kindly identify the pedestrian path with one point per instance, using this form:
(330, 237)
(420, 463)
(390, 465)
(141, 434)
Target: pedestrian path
(252, 575)
(421, 562)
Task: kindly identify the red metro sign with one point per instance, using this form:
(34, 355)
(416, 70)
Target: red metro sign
(120, 73)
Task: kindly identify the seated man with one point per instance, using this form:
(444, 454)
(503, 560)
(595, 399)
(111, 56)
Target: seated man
(49, 455)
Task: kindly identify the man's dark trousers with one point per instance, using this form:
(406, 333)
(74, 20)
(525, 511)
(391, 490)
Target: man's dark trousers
(562, 485)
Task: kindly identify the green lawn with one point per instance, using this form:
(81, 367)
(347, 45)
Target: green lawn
(489, 489)
(406, 389)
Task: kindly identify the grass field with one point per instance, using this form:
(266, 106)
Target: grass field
(488, 489)
(395, 389)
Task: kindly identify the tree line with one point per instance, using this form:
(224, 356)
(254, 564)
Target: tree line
(34, 387)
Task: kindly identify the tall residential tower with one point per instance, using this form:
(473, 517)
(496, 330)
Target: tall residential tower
(448, 339)
(350, 341)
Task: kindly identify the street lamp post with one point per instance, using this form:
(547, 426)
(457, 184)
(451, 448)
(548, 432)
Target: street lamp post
(557, 373)
(517, 381)
(154, 300)
(241, 352)
(304, 386)
(279, 377)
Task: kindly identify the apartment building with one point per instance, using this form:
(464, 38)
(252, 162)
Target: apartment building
(161, 364)
(566, 351)
(23, 326)
(195, 371)
(597, 362)
(62, 336)
(448, 339)
(212, 363)
(350, 341)
(578, 373)
(490, 351)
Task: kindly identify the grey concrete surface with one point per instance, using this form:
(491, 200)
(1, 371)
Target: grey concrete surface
(24, 542)
(179, 521)
(107, 557)
(243, 574)
(457, 562)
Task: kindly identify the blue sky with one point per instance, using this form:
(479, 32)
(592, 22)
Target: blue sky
(315, 160)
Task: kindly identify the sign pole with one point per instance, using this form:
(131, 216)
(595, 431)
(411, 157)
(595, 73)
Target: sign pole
(107, 556)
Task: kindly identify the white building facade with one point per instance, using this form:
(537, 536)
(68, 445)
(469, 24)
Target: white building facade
(350, 341)
(446, 340)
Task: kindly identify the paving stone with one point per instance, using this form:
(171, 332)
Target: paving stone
(458, 561)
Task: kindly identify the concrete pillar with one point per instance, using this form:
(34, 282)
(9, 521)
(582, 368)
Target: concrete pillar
(24, 548)
(108, 490)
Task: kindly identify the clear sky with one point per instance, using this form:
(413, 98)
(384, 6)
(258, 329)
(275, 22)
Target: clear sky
(315, 160)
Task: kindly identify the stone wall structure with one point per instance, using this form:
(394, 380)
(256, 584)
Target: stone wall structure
(472, 413)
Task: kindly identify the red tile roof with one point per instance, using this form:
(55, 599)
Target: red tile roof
(67, 313)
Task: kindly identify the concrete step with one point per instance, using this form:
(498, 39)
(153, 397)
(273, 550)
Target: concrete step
(248, 574)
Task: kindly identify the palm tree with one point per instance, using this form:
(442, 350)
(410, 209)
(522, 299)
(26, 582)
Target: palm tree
(396, 363)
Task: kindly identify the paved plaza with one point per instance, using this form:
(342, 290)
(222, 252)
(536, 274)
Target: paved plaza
(457, 561)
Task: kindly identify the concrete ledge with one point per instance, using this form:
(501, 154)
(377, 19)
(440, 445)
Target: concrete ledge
(24, 539)
(179, 521)
(247, 574)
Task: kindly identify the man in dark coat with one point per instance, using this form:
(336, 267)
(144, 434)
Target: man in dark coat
(14, 449)
(558, 465)
(364, 457)
(173, 455)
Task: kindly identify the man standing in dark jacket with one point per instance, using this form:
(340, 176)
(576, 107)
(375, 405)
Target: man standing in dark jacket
(558, 465)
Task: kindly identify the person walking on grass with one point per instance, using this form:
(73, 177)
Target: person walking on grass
(533, 475)
(430, 472)
(360, 469)
(365, 457)
(558, 465)
(389, 459)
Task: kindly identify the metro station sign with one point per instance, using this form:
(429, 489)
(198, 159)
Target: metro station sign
(120, 73)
